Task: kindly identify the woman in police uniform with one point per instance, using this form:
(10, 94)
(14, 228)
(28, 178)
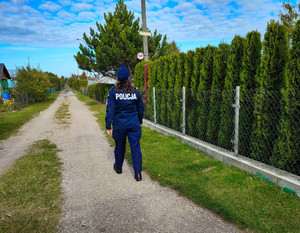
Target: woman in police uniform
(124, 110)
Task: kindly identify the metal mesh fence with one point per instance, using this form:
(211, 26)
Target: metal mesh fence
(262, 125)
(18, 101)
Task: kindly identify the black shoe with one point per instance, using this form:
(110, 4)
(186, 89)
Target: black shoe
(117, 170)
(138, 176)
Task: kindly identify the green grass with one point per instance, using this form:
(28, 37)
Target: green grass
(246, 200)
(62, 113)
(10, 122)
(30, 197)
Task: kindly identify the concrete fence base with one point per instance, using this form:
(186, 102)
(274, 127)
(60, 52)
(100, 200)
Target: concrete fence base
(289, 182)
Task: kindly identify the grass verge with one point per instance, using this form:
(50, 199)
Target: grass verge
(10, 122)
(245, 200)
(30, 191)
(62, 113)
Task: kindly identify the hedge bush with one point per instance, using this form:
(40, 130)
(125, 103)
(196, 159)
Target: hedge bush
(99, 91)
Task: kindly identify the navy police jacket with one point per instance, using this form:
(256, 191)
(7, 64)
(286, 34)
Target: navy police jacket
(124, 110)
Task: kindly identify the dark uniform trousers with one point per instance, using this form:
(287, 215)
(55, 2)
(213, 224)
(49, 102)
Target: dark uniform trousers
(134, 136)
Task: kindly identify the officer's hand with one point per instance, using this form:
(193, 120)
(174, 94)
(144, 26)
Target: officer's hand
(109, 132)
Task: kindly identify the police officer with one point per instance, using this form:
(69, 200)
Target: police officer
(125, 109)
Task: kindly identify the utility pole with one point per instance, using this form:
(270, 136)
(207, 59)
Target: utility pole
(145, 39)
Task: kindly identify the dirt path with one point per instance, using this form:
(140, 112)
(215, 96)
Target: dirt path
(96, 198)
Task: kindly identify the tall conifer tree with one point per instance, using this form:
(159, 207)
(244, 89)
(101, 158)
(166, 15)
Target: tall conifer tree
(286, 154)
(204, 87)
(117, 42)
(219, 74)
(170, 92)
(232, 80)
(158, 87)
(251, 62)
(163, 91)
(179, 79)
(267, 100)
(194, 111)
(188, 74)
(151, 83)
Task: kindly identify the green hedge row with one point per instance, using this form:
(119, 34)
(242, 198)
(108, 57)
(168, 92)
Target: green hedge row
(99, 91)
(79, 83)
(269, 97)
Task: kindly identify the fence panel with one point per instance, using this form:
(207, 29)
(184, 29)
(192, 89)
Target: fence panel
(268, 124)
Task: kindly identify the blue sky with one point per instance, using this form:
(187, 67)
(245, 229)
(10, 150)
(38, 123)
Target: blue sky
(44, 32)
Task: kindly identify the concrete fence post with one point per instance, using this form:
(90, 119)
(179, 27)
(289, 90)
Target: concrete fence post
(154, 105)
(236, 120)
(183, 110)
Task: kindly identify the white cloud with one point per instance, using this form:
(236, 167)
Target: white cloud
(20, 2)
(50, 6)
(77, 7)
(65, 16)
(65, 2)
(86, 16)
(196, 20)
(184, 6)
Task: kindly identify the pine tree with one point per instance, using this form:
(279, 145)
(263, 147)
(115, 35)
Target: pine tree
(203, 92)
(251, 62)
(117, 42)
(267, 100)
(286, 154)
(234, 64)
(219, 74)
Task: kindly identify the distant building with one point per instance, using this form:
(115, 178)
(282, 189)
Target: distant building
(4, 77)
(107, 80)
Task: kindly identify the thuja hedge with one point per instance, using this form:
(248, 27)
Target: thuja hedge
(268, 123)
(99, 91)
(79, 83)
(286, 153)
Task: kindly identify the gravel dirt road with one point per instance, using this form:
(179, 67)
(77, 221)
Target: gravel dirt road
(96, 199)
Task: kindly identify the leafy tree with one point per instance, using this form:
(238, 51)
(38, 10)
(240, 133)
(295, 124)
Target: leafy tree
(62, 82)
(251, 62)
(204, 87)
(34, 82)
(288, 16)
(83, 75)
(267, 100)
(116, 42)
(234, 64)
(219, 74)
(286, 154)
(54, 80)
